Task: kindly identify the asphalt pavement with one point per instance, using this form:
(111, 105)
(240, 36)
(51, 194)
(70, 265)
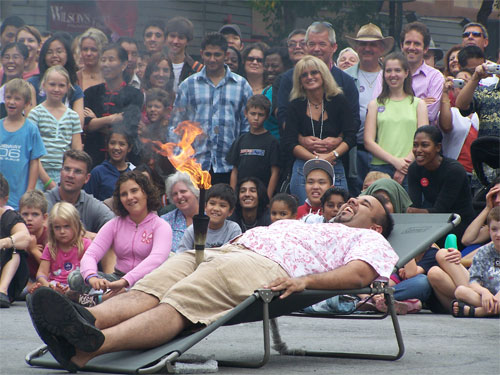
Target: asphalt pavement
(435, 344)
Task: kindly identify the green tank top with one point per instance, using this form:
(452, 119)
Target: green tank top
(396, 125)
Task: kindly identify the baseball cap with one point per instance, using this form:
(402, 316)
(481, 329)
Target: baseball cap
(313, 164)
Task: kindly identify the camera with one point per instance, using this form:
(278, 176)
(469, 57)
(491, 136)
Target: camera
(458, 83)
(492, 68)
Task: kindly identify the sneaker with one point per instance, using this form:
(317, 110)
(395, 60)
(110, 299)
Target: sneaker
(83, 299)
(4, 301)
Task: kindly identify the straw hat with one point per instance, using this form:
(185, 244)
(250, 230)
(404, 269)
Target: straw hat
(370, 33)
(438, 52)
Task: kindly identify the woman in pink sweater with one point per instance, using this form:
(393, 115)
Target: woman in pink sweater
(140, 238)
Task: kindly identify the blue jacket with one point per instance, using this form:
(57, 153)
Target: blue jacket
(103, 180)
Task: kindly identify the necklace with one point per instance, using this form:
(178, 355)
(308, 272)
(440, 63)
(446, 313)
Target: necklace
(316, 106)
(370, 84)
(312, 123)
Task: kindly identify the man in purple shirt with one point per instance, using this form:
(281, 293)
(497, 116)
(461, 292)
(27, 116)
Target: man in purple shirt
(427, 82)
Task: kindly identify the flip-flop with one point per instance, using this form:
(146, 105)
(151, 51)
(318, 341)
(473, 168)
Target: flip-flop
(56, 314)
(59, 347)
(461, 310)
(401, 307)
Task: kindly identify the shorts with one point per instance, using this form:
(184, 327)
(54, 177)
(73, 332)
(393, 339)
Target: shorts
(227, 277)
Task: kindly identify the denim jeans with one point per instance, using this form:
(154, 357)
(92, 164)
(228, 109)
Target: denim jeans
(298, 181)
(363, 163)
(414, 287)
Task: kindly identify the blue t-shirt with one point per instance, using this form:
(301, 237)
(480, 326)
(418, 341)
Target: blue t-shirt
(17, 149)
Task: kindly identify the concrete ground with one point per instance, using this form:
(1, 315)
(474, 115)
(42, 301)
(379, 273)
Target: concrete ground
(435, 344)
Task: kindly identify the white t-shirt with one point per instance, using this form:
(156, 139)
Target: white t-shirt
(454, 140)
(305, 249)
(177, 74)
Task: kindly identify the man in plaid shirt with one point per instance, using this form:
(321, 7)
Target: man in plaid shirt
(215, 98)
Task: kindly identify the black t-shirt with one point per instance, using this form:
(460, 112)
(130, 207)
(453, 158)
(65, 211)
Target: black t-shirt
(444, 190)
(254, 155)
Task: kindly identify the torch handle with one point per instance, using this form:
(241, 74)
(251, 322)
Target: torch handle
(200, 256)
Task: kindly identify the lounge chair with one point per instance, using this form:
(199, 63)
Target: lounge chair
(412, 234)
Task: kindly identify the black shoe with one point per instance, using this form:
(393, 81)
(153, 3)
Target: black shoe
(56, 314)
(4, 301)
(61, 350)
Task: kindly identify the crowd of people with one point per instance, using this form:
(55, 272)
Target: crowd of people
(305, 153)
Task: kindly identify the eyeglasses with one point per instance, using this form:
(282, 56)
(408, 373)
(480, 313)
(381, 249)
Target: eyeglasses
(311, 73)
(77, 172)
(259, 60)
(293, 44)
(58, 52)
(475, 34)
(14, 57)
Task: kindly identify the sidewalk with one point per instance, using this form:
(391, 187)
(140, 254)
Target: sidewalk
(435, 344)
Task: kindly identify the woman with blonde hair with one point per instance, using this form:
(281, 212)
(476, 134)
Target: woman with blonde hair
(319, 122)
(90, 44)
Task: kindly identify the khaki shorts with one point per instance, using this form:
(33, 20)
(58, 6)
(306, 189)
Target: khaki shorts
(227, 276)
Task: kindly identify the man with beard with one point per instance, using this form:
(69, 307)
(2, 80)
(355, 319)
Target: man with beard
(287, 256)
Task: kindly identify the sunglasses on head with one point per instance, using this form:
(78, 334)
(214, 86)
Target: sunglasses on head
(312, 73)
(475, 34)
(260, 60)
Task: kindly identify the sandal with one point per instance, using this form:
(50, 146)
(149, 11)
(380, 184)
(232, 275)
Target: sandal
(461, 310)
(400, 307)
(414, 305)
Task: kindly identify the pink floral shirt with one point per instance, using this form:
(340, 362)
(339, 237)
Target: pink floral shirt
(304, 249)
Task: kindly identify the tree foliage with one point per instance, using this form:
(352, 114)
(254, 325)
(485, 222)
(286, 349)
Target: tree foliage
(282, 15)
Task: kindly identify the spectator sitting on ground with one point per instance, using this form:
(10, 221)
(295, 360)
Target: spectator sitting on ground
(220, 202)
(283, 206)
(438, 184)
(33, 209)
(140, 239)
(331, 202)
(251, 206)
(75, 173)
(319, 176)
(477, 233)
(181, 192)
(256, 154)
(482, 296)
(14, 240)
(373, 176)
(397, 198)
(64, 249)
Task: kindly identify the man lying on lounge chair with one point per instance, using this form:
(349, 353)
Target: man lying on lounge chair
(288, 255)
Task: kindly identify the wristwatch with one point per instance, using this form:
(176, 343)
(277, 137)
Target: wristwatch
(336, 154)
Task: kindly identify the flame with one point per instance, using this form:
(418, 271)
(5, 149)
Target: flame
(184, 161)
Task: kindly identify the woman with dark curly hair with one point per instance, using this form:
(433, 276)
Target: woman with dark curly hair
(253, 66)
(140, 239)
(251, 207)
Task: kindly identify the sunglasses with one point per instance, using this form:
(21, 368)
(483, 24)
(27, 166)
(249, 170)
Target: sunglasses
(293, 44)
(311, 73)
(260, 60)
(475, 34)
